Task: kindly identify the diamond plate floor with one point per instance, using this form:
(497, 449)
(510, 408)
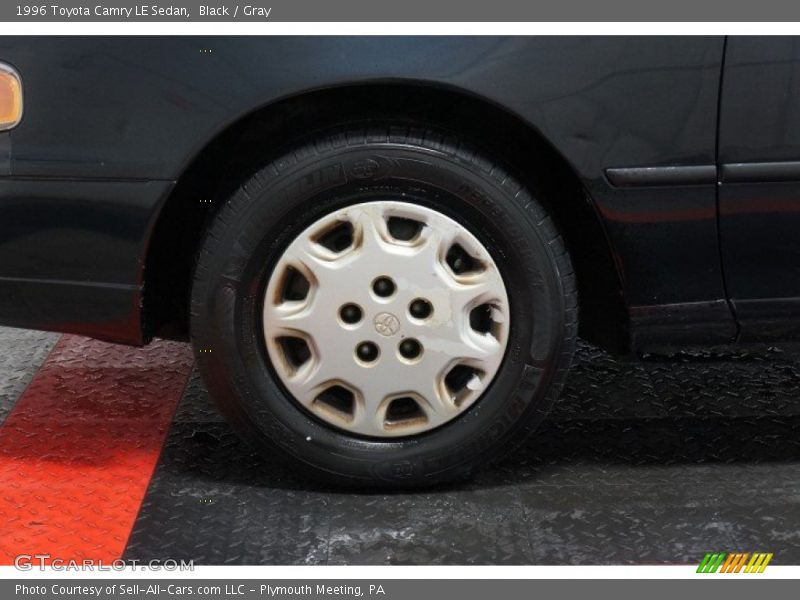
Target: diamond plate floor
(23, 352)
(641, 463)
(651, 462)
(79, 447)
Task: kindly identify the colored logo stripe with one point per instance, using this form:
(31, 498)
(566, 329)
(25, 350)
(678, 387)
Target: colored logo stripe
(729, 562)
(734, 562)
(758, 563)
(711, 562)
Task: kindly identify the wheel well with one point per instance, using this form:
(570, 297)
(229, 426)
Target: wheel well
(271, 131)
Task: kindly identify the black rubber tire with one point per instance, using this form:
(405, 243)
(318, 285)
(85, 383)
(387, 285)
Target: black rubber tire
(353, 165)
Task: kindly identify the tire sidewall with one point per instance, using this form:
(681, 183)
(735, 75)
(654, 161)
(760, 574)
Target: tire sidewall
(277, 204)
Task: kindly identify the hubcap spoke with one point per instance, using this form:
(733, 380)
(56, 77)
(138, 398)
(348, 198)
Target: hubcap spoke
(393, 322)
(290, 318)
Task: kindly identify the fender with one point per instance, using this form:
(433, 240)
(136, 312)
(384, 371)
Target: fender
(135, 112)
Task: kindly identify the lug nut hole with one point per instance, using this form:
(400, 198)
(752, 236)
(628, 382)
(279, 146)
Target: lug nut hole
(367, 352)
(410, 349)
(350, 314)
(420, 308)
(383, 287)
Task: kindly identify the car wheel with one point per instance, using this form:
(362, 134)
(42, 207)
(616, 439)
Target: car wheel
(384, 306)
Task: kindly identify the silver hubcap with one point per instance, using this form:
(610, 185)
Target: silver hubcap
(386, 319)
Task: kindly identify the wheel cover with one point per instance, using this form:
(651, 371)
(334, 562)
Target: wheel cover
(386, 319)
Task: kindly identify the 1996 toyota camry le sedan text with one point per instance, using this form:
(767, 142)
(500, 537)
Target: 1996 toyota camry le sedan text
(383, 249)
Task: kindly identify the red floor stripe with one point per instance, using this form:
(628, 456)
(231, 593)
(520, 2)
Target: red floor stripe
(79, 448)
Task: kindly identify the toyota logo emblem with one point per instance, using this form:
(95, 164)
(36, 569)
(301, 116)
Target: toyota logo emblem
(386, 324)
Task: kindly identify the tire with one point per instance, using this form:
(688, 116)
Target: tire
(247, 238)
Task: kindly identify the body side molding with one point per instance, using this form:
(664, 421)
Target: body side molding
(760, 172)
(662, 176)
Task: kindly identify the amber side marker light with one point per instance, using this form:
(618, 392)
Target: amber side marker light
(10, 98)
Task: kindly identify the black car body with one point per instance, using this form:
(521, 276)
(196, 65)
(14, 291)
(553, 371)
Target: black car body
(643, 189)
(678, 161)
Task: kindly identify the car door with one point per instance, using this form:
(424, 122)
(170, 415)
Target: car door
(759, 184)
